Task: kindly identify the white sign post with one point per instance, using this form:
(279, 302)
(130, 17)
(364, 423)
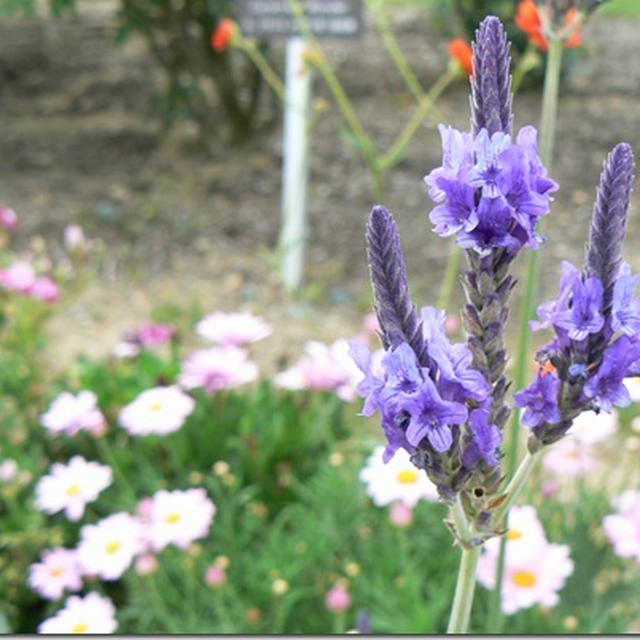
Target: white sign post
(295, 163)
(272, 18)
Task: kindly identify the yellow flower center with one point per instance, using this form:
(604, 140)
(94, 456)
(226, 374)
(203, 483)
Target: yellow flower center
(73, 490)
(56, 571)
(514, 534)
(407, 476)
(156, 406)
(525, 578)
(80, 627)
(112, 547)
(172, 518)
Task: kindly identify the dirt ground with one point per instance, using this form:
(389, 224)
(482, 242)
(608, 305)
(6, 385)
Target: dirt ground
(79, 144)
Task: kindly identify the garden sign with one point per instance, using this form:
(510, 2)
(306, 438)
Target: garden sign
(275, 18)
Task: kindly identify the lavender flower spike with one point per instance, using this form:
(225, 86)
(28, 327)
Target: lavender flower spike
(397, 315)
(609, 221)
(491, 81)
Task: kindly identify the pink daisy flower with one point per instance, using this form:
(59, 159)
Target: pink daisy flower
(623, 528)
(570, 457)
(324, 368)
(235, 329)
(217, 368)
(69, 414)
(45, 288)
(20, 276)
(57, 570)
(8, 218)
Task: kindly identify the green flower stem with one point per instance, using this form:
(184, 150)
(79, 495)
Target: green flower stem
(390, 42)
(450, 277)
(466, 584)
(547, 133)
(397, 149)
(550, 101)
(517, 483)
(256, 56)
(530, 60)
(105, 450)
(341, 98)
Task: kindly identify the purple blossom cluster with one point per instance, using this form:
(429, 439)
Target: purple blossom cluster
(490, 190)
(424, 408)
(595, 318)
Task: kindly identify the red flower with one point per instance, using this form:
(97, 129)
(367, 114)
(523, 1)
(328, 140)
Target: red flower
(460, 50)
(528, 19)
(222, 35)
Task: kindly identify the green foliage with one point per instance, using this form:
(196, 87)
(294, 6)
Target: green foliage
(290, 506)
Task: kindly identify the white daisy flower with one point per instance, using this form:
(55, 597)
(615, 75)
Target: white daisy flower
(70, 487)
(398, 480)
(106, 549)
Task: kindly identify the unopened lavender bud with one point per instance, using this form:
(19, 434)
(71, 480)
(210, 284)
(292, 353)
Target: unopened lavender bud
(609, 221)
(491, 81)
(397, 315)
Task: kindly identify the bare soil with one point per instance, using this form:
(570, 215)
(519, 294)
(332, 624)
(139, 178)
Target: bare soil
(80, 143)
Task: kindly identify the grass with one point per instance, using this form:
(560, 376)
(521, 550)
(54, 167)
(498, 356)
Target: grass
(621, 9)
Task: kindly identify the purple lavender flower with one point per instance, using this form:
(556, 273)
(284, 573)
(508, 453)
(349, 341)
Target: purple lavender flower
(548, 310)
(457, 379)
(540, 401)
(432, 417)
(403, 371)
(625, 309)
(606, 387)
(582, 315)
(486, 440)
(457, 160)
(489, 190)
(370, 386)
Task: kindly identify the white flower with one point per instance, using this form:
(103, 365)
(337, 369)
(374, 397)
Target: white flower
(58, 570)
(234, 329)
(160, 410)
(92, 613)
(72, 486)
(106, 549)
(8, 470)
(590, 427)
(535, 569)
(178, 517)
(69, 414)
(525, 534)
(633, 387)
(398, 480)
(528, 579)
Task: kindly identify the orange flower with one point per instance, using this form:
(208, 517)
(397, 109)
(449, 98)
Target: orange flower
(547, 368)
(460, 50)
(529, 20)
(222, 35)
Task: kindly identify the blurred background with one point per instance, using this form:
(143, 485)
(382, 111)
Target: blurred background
(143, 161)
(99, 129)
